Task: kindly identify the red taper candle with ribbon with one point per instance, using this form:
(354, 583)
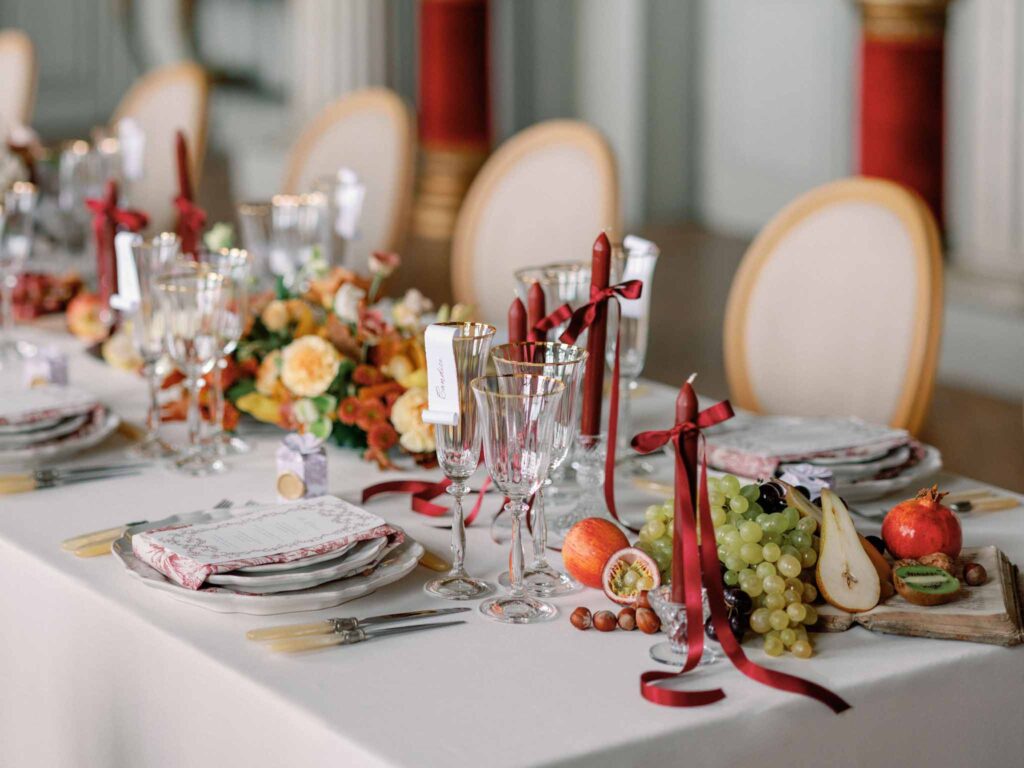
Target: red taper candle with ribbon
(107, 219)
(191, 218)
(695, 565)
(535, 312)
(594, 316)
(517, 321)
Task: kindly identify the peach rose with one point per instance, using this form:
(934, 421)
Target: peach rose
(309, 365)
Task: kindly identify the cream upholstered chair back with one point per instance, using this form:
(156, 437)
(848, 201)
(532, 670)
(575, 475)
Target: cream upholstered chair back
(837, 308)
(542, 197)
(17, 79)
(373, 132)
(164, 101)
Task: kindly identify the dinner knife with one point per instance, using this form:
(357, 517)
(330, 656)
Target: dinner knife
(343, 624)
(50, 478)
(350, 637)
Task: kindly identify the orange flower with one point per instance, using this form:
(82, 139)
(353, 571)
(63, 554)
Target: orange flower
(365, 375)
(348, 411)
(371, 413)
(382, 437)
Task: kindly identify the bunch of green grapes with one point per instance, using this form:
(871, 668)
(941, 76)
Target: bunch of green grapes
(769, 552)
(656, 536)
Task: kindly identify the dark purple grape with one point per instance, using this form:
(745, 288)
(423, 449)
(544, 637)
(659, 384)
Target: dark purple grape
(739, 601)
(772, 498)
(709, 630)
(803, 490)
(877, 543)
(738, 624)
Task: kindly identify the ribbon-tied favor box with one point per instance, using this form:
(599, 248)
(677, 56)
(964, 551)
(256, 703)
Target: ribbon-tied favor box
(47, 366)
(301, 467)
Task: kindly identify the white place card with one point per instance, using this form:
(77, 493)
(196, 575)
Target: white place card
(442, 376)
(641, 258)
(129, 294)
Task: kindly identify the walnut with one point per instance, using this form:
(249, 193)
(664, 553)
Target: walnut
(951, 565)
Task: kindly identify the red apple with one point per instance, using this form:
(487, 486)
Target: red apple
(587, 547)
(921, 526)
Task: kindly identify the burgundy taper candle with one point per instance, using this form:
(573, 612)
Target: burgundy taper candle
(517, 321)
(535, 312)
(686, 412)
(593, 378)
(184, 177)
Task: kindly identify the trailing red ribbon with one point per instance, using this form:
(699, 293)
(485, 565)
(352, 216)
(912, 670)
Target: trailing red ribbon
(556, 318)
(704, 556)
(423, 492)
(106, 220)
(580, 320)
(191, 218)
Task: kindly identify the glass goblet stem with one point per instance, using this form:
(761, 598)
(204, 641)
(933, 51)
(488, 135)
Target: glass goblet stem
(458, 489)
(517, 507)
(153, 415)
(194, 425)
(625, 430)
(540, 529)
(218, 400)
(7, 298)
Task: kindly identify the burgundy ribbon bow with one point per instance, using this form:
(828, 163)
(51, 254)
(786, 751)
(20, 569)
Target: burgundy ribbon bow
(423, 492)
(191, 218)
(582, 319)
(106, 219)
(556, 318)
(704, 556)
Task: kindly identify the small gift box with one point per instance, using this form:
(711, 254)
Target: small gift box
(301, 467)
(47, 366)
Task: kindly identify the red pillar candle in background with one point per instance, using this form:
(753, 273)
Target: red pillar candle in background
(517, 321)
(535, 312)
(593, 378)
(901, 95)
(686, 413)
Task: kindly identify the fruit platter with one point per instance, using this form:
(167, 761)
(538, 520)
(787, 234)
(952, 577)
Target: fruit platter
(790, 566)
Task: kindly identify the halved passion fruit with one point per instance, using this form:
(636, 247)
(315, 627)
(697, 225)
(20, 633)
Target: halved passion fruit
(628, 573)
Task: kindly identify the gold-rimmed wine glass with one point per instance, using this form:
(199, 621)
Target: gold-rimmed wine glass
(192, 300)
(566, 363)
(458, 453)
(517, 428)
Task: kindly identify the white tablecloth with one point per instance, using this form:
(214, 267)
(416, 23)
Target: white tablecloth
(96, 670)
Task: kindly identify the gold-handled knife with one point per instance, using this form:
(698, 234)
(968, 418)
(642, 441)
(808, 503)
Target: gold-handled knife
(343, 624)
(350, 637)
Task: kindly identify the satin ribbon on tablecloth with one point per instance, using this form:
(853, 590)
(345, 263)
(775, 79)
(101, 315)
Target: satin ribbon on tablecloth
(422, 493)
(191, 218)
(704, 556)
(106, 218)
(580, 320)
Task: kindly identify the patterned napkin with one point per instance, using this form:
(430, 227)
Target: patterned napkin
(267, 533)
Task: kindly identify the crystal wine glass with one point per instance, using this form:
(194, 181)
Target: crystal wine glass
(458, 453)
(634, 322)
(15, 246)
(192, 301)
(565, 363)
(518, 414)
(254, 224)
(152, 258)
(567, 283)
(234, 264)
(298, 229)
(344, 193)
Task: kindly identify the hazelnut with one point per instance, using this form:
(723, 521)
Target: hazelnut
(605, 621)
(627, 619)
(952, 566)
(642, 601)
(581, 618)
(648, 621)
(975, 574)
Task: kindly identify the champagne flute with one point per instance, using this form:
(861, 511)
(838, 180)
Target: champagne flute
(15, 246)
(565, 363)
(152, 258)
(458, 453)
(192, 302)
(634, 329)
(518, 413)
(235, 265)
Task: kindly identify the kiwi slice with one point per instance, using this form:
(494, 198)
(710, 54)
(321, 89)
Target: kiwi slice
(925, 584)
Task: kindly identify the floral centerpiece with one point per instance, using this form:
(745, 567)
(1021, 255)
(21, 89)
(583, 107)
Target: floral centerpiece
(332, 358)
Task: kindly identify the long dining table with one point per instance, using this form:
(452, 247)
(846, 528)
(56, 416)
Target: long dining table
(98, 670)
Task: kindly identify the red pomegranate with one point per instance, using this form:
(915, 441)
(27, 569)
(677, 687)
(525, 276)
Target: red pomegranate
(587, 547)
(921, 526)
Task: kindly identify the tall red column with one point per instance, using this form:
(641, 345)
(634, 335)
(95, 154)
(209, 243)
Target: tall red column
(454, 109)
(901, 94)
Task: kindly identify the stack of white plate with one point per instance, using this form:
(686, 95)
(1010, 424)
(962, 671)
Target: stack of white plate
(319, 581)
(50, 422)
